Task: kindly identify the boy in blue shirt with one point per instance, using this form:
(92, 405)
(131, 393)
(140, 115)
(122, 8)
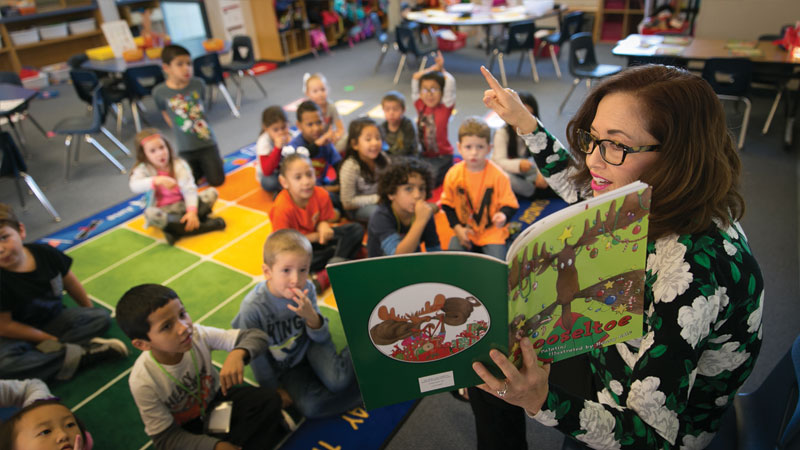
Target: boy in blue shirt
(302, 358)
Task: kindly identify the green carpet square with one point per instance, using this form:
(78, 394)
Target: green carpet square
(206, 286)
(106, 250)
(156, 265)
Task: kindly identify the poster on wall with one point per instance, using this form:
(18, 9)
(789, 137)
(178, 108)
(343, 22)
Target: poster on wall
(232, 18)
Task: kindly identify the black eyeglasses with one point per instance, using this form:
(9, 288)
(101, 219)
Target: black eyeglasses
(612, 152)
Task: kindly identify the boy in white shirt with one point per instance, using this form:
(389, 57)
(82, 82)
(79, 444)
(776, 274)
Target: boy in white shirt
(175, 385)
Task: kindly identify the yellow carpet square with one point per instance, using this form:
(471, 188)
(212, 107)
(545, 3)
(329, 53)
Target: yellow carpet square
(239, 221)
(246, 255)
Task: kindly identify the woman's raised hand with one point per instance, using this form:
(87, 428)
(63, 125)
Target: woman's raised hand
(507, 105)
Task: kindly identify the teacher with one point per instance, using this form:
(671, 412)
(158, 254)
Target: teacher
(703, 287)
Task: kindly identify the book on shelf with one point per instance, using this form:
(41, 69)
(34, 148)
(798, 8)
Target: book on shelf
(571, 282)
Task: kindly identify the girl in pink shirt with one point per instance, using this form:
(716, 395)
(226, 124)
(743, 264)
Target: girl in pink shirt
(173, 203)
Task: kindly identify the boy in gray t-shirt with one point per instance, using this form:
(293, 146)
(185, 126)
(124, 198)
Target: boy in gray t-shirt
(180, 99)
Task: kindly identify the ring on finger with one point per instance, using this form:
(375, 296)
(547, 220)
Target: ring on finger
(502, 392)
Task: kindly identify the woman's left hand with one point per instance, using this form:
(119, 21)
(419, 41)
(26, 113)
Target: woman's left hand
(526, 387)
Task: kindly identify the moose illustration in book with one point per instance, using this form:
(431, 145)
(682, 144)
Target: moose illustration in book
(421, 334)
(621, 292)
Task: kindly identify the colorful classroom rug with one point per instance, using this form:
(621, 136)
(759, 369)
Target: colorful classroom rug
(212, 273)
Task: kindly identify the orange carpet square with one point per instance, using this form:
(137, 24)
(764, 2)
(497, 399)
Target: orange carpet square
(238, 184)
(239, 222)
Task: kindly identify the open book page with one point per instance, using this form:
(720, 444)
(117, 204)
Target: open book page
(576, 278)
(415, 323)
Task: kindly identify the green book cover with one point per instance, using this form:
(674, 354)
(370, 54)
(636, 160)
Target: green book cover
(572, 281)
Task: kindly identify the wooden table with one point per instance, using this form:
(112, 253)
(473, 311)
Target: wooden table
(14, 99)
(643, 48)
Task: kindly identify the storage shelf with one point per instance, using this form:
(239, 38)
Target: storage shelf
(55, 12)
(71, 37)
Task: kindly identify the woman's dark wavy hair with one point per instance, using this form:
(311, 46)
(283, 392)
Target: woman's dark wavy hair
(696, 177)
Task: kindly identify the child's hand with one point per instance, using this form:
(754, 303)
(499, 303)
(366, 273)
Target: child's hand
(305, 309)
(462, 234)
(525, 166)
(232, 372)
(282, 139)
(164, 181)
(438, 61)
(325, 231)
(499, 219)
(190, 220)
(423, 210)
(325, 138)
(78, 445)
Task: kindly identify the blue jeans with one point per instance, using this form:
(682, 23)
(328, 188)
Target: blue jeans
(496, 250)
(324, 383)
(270, 183)
(74, 327)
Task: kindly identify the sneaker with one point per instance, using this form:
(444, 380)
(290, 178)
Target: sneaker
(170, 237)
(101, 349)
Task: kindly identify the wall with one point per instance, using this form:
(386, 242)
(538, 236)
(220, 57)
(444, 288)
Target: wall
(744, 19)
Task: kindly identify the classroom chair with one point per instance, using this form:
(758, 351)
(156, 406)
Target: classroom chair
(730, 79)
(572, 23)
(13, 165)
(140, 82)
(85, 126)
(769, 417)
(776, 76)
(520, 37)
(409, 40)
(85, 81)
(209, 69)
(383, 38)
(583, 64)
(244, 58)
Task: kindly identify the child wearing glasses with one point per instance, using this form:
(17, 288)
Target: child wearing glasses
(433, 91)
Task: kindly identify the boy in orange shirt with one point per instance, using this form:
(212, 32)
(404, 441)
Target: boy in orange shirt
(477, 196)
(307, 208)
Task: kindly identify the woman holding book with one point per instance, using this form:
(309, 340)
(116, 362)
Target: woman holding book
(703, 287)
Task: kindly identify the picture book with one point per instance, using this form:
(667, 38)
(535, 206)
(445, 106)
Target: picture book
(571, 282)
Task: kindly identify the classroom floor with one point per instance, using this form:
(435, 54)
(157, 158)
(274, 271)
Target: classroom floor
(769, 185)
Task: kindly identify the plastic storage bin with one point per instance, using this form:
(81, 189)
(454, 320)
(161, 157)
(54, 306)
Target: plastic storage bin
(57, 73)
(100, 53)
(56, 31)
(82, 26)
(37, 81)
(23, 37)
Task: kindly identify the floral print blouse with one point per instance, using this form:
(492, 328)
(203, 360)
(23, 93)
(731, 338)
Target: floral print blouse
(703, 304)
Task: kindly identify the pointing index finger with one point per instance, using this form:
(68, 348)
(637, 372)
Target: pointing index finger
(491, 80)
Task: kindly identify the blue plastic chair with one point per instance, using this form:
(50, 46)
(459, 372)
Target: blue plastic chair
(13, 165)
(730, 79)
(209, 69)
(769, 417)
(572, 23)
(85, 127)
(583, 64)
(520, 37)
(409, 40)
(140, 82)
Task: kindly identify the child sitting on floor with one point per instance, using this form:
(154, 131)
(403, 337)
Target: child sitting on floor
(175, 385)
(477, 196)
(44, 424)
(362, 167)
(511, 154)
(302, 357)
(274, 135)
(433, 91)
(403, 218)
(307, 208)
(399, 134)
(39, 336)
(315, 87)
(173, 203)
